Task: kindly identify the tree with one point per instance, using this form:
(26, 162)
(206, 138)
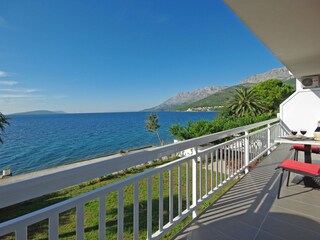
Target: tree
(153, 126)
(273, 92)
(246, 102)
(193, 129)
(3, 123)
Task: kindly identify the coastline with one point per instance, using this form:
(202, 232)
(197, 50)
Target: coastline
(40, 173)
(35, 143)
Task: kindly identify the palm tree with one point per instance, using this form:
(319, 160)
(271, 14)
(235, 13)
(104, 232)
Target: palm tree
(3, 123)
(245, 102)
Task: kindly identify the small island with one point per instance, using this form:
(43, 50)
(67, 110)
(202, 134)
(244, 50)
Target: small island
(38, 112)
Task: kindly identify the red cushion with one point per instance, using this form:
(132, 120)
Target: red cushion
(300, 147)
(312, 169)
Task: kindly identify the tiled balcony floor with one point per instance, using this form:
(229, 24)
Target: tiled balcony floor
(251, 210)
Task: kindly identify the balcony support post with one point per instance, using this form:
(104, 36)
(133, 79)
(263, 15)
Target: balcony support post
(195, 184)
(269, 138)
(246, 151)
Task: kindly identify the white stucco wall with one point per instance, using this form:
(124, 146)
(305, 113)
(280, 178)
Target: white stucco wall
(298, 85)
(302, 110)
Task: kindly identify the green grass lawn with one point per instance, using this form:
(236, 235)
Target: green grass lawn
(67, 223)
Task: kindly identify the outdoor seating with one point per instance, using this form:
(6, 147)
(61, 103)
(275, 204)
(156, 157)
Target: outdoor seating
(306, 169)
(301, 147)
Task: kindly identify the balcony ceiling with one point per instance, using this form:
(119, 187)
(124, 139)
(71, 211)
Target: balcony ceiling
(289, 28)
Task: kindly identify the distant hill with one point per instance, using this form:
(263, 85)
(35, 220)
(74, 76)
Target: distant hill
(39, 112)
(183, 98)
(204, 99)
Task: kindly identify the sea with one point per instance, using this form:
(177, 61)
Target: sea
(36, 142)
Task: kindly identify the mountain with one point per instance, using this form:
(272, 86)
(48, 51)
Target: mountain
(39, 112)
(278, 73)
(215, 101)
(213, 98)
(185, 98)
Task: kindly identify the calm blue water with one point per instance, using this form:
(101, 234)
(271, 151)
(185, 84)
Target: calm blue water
(38, 142)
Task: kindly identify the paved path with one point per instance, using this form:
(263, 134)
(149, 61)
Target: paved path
(22, 177)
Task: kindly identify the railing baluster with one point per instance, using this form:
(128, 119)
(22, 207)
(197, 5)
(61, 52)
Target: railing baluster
(179, 191)
(259, 143)
(161, 202)
(206, 159)
(242, 154)
(211, 170)
(54, 226)
(220, 167)
(276, 131)
(239, 154)
(120, 214)
(269, 138)
(217, 167)
(229, 159)
(195, 184)
(255, 146)
(224, 163)
(246, 150)
(170, 196)
(262, 147)
(22, 233)
(236, 156)
(136, 211)
(80, 222)
(102, 217)
(252, 145)
(232, 158)
(200, 178)
(187, 185)
(149, 209)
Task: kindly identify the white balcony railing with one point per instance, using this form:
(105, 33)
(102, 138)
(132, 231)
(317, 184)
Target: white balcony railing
(206, 171)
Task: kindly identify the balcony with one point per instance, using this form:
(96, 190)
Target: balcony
(251, 210)
(175, 191)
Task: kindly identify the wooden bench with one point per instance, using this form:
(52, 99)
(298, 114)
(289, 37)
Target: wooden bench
(306, 169)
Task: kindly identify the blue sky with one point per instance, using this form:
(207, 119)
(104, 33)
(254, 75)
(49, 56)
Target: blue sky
(101, 56)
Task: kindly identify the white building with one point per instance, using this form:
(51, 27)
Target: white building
(290, 29)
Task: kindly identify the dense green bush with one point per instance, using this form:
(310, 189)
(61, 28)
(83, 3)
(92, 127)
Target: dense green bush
(205, 127)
